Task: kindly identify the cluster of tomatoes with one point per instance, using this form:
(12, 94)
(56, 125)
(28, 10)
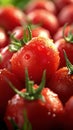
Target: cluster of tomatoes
(36, 66)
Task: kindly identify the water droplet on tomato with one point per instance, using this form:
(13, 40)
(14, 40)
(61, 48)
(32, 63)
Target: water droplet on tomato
(49, 113)
(27, 56)
(54, 115)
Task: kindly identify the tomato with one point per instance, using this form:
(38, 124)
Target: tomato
(40, 31)
(43, 108)
(69, 114)
(65, 43)
(66, 15)
(59, 34)
(5, 56)
(38, 54)
(5, 91)
(47, 5)
(61, 45)
(62, 81)
(62, 84)
(62, 3)
(46, 19)
(10, 17)
(35, 31)
(4, 40)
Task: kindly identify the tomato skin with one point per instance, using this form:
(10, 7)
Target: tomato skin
(5, 91)
(40, 31)
(6, 55)
(35, 32)
(62, 84)
(46, 19)
(4, 40)
(38, 54)
(61, 45)
(10, 17)
(62, 3)
(37, 110)
(46, 5)
(66, 15)
(59, 34)
(69, 114)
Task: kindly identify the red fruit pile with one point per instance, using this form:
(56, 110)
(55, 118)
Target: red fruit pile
(38, 39)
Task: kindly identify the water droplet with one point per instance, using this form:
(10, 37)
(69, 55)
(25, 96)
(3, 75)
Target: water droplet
(54, 115)
(27, 56)
(49, 113)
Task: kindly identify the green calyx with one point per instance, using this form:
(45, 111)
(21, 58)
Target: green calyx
(17, 44)
(31, 92)
(68, 63)
(68, 38)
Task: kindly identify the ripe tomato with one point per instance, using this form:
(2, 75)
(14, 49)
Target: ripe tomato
(47, 5)
(61, 45)
(66, 15)
(40, 31)
(5, 56)
(62, 84)
(38, 54)
(69, 114)
(35, 31)
(5, 91)
(62, 3)
(59, 34)
(44, 109)
(10, 17)
(62, 81)
(46, 19)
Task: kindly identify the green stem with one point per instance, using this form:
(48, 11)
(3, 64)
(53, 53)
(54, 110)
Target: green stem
(68, 63)
(15, 126)
(42, 84)
(17, 44)
(31, 92)
(68, 38)
(26, 125)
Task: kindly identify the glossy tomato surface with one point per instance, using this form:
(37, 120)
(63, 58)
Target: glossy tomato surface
(42, 114)
(6, 92)
(37, 55)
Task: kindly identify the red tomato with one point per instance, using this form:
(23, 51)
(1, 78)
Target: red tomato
(46, 19)
(35, 31)
(43, 113)
(38, 54)
(5, 56)
(40, 31)
(10, 17)
(69, 114)
(61, 45)
(62, 3)
(59, 33)
(66, 15)
(62, 84)
(47, 5)
(5, 91)
(18, 32)
(4, 40)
